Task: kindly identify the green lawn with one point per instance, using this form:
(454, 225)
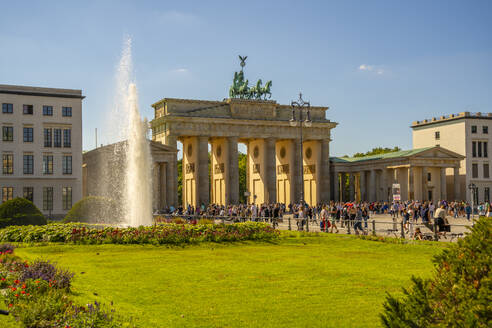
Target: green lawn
(325, 281)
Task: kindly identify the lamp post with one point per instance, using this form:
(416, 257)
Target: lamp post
(473, 189)
(300, 105)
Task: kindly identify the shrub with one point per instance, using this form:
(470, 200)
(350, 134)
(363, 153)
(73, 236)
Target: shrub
(20, 211)
(6, 248)
(46, 271)
(94, 209)
(459, 294)
(167, 233)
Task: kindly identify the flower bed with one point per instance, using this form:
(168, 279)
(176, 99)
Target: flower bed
(174, 234)
(38, 295)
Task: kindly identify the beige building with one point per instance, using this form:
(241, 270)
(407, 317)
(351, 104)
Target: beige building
(41, 146)
(273, 150)
(104, 174)
(468, 135)
(419, 173)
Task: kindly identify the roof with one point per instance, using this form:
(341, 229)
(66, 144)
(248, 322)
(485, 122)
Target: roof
(395, 154)
(39, 91)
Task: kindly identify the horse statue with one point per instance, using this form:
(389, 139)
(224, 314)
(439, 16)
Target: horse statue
(266, 90)
(244, 89)
(256, 91)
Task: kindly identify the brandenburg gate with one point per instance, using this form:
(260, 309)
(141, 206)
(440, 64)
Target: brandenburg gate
(273, 159)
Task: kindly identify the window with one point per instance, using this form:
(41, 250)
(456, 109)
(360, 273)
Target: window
(66, 111)
(47, 198)
(474, 171)
(67, 198)
(485, 129)
(48, 164)
(429, 176)
(8, 163)
(48, 110)
(57, 137)
(28, 135)
(437, 135)
(27, 109)
(67, 164)
(7, 193)
(479, 149)
(474, 129)
(28, 164)
(485, 150)
(7, 108)
(28, 193)
(47, 137)
(474, 149)
(8, 133)
(67, 138)
(486, 172)
(486, 194)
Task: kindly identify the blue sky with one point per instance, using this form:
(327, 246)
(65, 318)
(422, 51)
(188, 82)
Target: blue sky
(378, 65)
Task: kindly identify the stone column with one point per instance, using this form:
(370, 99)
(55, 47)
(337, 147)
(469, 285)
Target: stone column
(417, 183)
(403, 181)
(372, 185)
(203, 185)
(156, 200)
(410, 182)
(363, 191)
(336, 186)
(384, 185)
(443, 184)
(232, 186)
(297, 178)
(324, 172)
(270, 171)
(163, 185)
(343, 177)
(172, 174)
(424, 183)
(351, 187)
(456, 181)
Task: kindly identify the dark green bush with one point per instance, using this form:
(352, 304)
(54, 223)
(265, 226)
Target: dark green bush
(20, 211)
(458, 295)
(94, 209)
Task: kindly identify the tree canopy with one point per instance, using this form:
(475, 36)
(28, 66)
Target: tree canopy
(377, 151)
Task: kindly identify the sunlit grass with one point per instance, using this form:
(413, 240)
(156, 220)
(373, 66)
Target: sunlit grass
(324, 281)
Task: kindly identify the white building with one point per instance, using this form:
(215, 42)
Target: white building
(466, 134)
(41, 146)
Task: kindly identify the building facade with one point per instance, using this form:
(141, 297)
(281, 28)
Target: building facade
(103, 173)
(41, 146)
(419, 173)
(468, 135)
(274, 170)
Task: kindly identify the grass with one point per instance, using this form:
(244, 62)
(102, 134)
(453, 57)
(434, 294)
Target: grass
(323, 281)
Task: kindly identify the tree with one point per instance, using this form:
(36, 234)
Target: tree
(378, 151)
(458, 295)
(242, 161)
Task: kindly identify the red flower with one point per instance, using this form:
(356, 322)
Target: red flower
(23, 292)
(23, 286)
(14, 289)
(16, 295)
(16, 281)
(10, 305)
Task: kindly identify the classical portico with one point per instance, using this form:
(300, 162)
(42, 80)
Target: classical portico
(421, 174)
(273, 145)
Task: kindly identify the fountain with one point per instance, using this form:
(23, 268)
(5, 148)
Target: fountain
(128, 180)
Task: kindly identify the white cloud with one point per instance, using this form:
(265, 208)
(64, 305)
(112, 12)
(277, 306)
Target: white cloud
(372, 68)
(180, 70)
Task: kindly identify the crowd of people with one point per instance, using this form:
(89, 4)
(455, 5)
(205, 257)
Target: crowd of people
(353, 214)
